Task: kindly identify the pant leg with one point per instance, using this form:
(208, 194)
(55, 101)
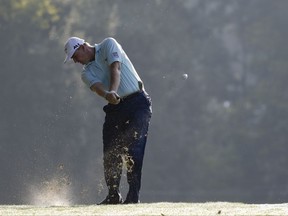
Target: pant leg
(112, 171)
(136, 153)
(112, 153)
(136, 139)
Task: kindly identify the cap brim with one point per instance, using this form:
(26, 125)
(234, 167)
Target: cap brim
(66, 59)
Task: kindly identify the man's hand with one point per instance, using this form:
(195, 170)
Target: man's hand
(112, 97)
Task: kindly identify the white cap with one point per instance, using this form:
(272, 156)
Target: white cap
(71, 45)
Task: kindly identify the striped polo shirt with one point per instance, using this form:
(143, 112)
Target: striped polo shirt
(107, 52)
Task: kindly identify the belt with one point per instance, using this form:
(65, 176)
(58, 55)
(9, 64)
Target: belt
(131, 95)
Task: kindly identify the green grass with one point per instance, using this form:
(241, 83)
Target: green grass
(161, 209)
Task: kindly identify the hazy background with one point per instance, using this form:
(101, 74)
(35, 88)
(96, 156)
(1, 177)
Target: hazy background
(220, 135)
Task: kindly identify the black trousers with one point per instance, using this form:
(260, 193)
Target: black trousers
(124, 137)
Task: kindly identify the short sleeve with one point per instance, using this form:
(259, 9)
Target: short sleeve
(88, 78)
(113, 51)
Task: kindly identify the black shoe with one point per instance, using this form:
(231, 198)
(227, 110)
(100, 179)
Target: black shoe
(131, 201)
(112, 200)
(132, 198)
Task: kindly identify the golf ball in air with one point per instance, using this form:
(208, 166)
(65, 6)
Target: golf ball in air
(184, 76)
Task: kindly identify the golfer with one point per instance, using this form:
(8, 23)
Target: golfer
(110, 74)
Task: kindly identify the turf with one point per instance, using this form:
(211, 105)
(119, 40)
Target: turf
(161, 209)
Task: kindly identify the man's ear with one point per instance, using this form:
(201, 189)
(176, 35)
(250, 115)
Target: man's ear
(82, 47)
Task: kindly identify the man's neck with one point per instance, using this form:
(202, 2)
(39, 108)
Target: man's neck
(93, 52)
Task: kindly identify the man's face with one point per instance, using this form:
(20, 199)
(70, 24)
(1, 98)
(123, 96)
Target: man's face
(80, 56)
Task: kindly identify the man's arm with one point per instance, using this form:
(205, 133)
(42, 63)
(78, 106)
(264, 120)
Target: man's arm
(114, 76)
(99, 89)
(111, 96)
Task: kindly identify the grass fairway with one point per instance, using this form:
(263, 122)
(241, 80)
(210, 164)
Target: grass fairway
(161, 209)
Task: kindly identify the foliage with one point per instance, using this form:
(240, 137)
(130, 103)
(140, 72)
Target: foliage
(41, 13)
